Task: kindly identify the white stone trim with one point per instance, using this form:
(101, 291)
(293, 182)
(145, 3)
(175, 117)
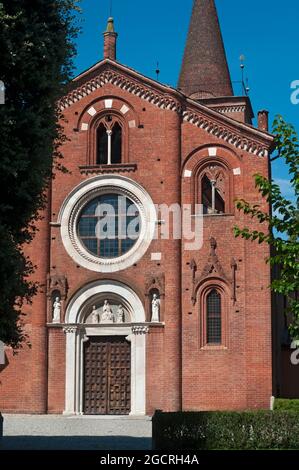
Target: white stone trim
(84, 126)
(108, 104)
(188, 173)
(156, 256)
(80, 196)
(237, 171)
(124, 109)
(138, 368)
(92, 111)
(132, 124)
(76, 336)
(74, 309)
(212, 151)
(140, 329)
(70, 373)
(230, 109)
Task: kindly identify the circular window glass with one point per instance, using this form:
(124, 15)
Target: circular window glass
(109, 225)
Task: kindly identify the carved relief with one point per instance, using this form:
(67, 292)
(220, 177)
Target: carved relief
(57, 283)
(107, 314)
(155, 281)
(120, 315)
(95, 316)
(212, 268)
(140, 330)
(70, 329)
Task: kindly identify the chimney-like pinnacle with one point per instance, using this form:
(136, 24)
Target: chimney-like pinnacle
(110, 37)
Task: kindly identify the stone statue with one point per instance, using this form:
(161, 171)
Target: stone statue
(95, 317)
(120, 314)
(107, 315)
(155, 309)
(56, 310)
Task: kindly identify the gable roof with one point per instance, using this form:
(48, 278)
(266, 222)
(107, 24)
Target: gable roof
(240, 135)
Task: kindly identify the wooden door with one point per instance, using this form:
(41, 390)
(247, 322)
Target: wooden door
(107, 376)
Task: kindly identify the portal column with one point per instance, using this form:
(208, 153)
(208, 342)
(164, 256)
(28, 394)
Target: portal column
(138, 364)
(70, 373)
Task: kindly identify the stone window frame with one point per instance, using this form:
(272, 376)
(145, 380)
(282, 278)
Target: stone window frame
(88, 235)
(85, 192)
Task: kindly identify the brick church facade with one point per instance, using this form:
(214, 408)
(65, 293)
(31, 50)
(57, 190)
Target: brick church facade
(126, 326)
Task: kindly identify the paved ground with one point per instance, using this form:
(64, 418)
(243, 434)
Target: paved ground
(83, 433)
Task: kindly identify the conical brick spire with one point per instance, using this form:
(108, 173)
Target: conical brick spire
(204, 72)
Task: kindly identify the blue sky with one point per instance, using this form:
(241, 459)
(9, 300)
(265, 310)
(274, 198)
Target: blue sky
(264, 31)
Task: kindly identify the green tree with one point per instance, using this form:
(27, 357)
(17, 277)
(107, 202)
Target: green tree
(282, 223)
(36, 57)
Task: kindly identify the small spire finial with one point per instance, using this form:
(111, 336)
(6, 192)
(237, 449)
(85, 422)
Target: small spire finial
(110, 25)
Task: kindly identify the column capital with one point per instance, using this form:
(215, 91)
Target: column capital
(140, 329)
(70, 329)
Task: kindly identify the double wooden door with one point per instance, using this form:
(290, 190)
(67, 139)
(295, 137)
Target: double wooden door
(107, 376)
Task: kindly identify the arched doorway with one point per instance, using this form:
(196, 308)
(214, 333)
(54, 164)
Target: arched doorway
(105, 357)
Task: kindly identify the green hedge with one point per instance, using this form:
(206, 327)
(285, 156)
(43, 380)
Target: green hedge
(226, 430)
(286, 404)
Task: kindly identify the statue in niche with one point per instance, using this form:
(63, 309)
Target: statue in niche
(56, 310)
(107, 315)
(155, 309)
(95, 317)
(120, 314)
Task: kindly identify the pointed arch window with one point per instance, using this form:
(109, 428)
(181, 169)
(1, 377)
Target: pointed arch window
(214, 317)
(109, 141)
(212, 186)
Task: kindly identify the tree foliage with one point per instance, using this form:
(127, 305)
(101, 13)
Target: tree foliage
(282, 222)
(36, 57)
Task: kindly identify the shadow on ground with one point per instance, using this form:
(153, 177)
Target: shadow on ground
(75, 443)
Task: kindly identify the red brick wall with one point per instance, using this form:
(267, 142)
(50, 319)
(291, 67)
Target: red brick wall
(56, 370)
(179, 373)
(237, 376)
